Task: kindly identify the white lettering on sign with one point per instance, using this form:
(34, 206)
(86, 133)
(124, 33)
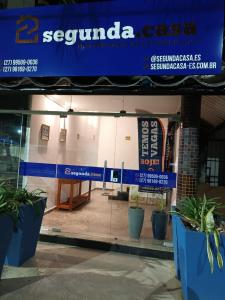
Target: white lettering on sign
(71, 36)
(154, 138)
(144, 138)
(149, 138)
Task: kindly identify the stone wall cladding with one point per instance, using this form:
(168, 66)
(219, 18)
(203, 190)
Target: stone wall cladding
(188, 162)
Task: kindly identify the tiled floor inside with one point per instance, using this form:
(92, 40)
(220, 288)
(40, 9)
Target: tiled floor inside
(59, 272)
(103, 220)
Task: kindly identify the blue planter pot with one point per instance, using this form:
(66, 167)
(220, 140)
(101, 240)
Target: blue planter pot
(25, 236)
(175, 219)
(196, 279)
(159, 225)
(135, 221)
(6, 231)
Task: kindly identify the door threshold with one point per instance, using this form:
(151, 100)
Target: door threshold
(160, 251)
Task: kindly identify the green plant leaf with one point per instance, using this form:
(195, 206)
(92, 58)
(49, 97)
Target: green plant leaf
(209, 220)
(11, 199)
(202, 213)
(217, 243)
(209, 253)
(219, 260)
(199, 213)
(190, 220)
(216, 238)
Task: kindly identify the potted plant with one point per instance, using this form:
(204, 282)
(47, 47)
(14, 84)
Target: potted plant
(135, 216)
(159, 220)
(26, 232)
(199, 244)
(9, 211)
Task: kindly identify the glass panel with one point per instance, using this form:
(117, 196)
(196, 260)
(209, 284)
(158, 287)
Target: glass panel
(53, 141)
(12, 142)
(83, 147)
(71, 141)
(127, 153)
(41, 148)
(126, 156)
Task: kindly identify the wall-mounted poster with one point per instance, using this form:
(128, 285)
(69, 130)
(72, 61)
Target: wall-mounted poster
(62, 135)
(45, 130)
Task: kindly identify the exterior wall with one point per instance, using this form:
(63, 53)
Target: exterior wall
(118, 142)
(189, 168)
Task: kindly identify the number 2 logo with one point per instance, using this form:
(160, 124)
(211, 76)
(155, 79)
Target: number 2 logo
(27, 29)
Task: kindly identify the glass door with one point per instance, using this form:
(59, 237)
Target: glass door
(87, 163)
(12, 147)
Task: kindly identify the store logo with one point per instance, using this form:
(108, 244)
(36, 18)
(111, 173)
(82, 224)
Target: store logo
(67, 171)
(71, 36)
(27, 33)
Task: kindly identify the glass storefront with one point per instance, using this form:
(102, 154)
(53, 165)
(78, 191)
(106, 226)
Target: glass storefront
(100, 208)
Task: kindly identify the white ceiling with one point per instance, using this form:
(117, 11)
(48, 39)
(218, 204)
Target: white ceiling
(212, 111)
(151, 104)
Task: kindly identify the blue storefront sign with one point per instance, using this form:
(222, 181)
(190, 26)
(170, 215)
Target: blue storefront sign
(113, 38)
(80, 172)
(126, 176)
(150, 179)
(38, 169)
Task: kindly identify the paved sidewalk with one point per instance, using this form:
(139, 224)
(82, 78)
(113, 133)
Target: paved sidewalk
(65, 272)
